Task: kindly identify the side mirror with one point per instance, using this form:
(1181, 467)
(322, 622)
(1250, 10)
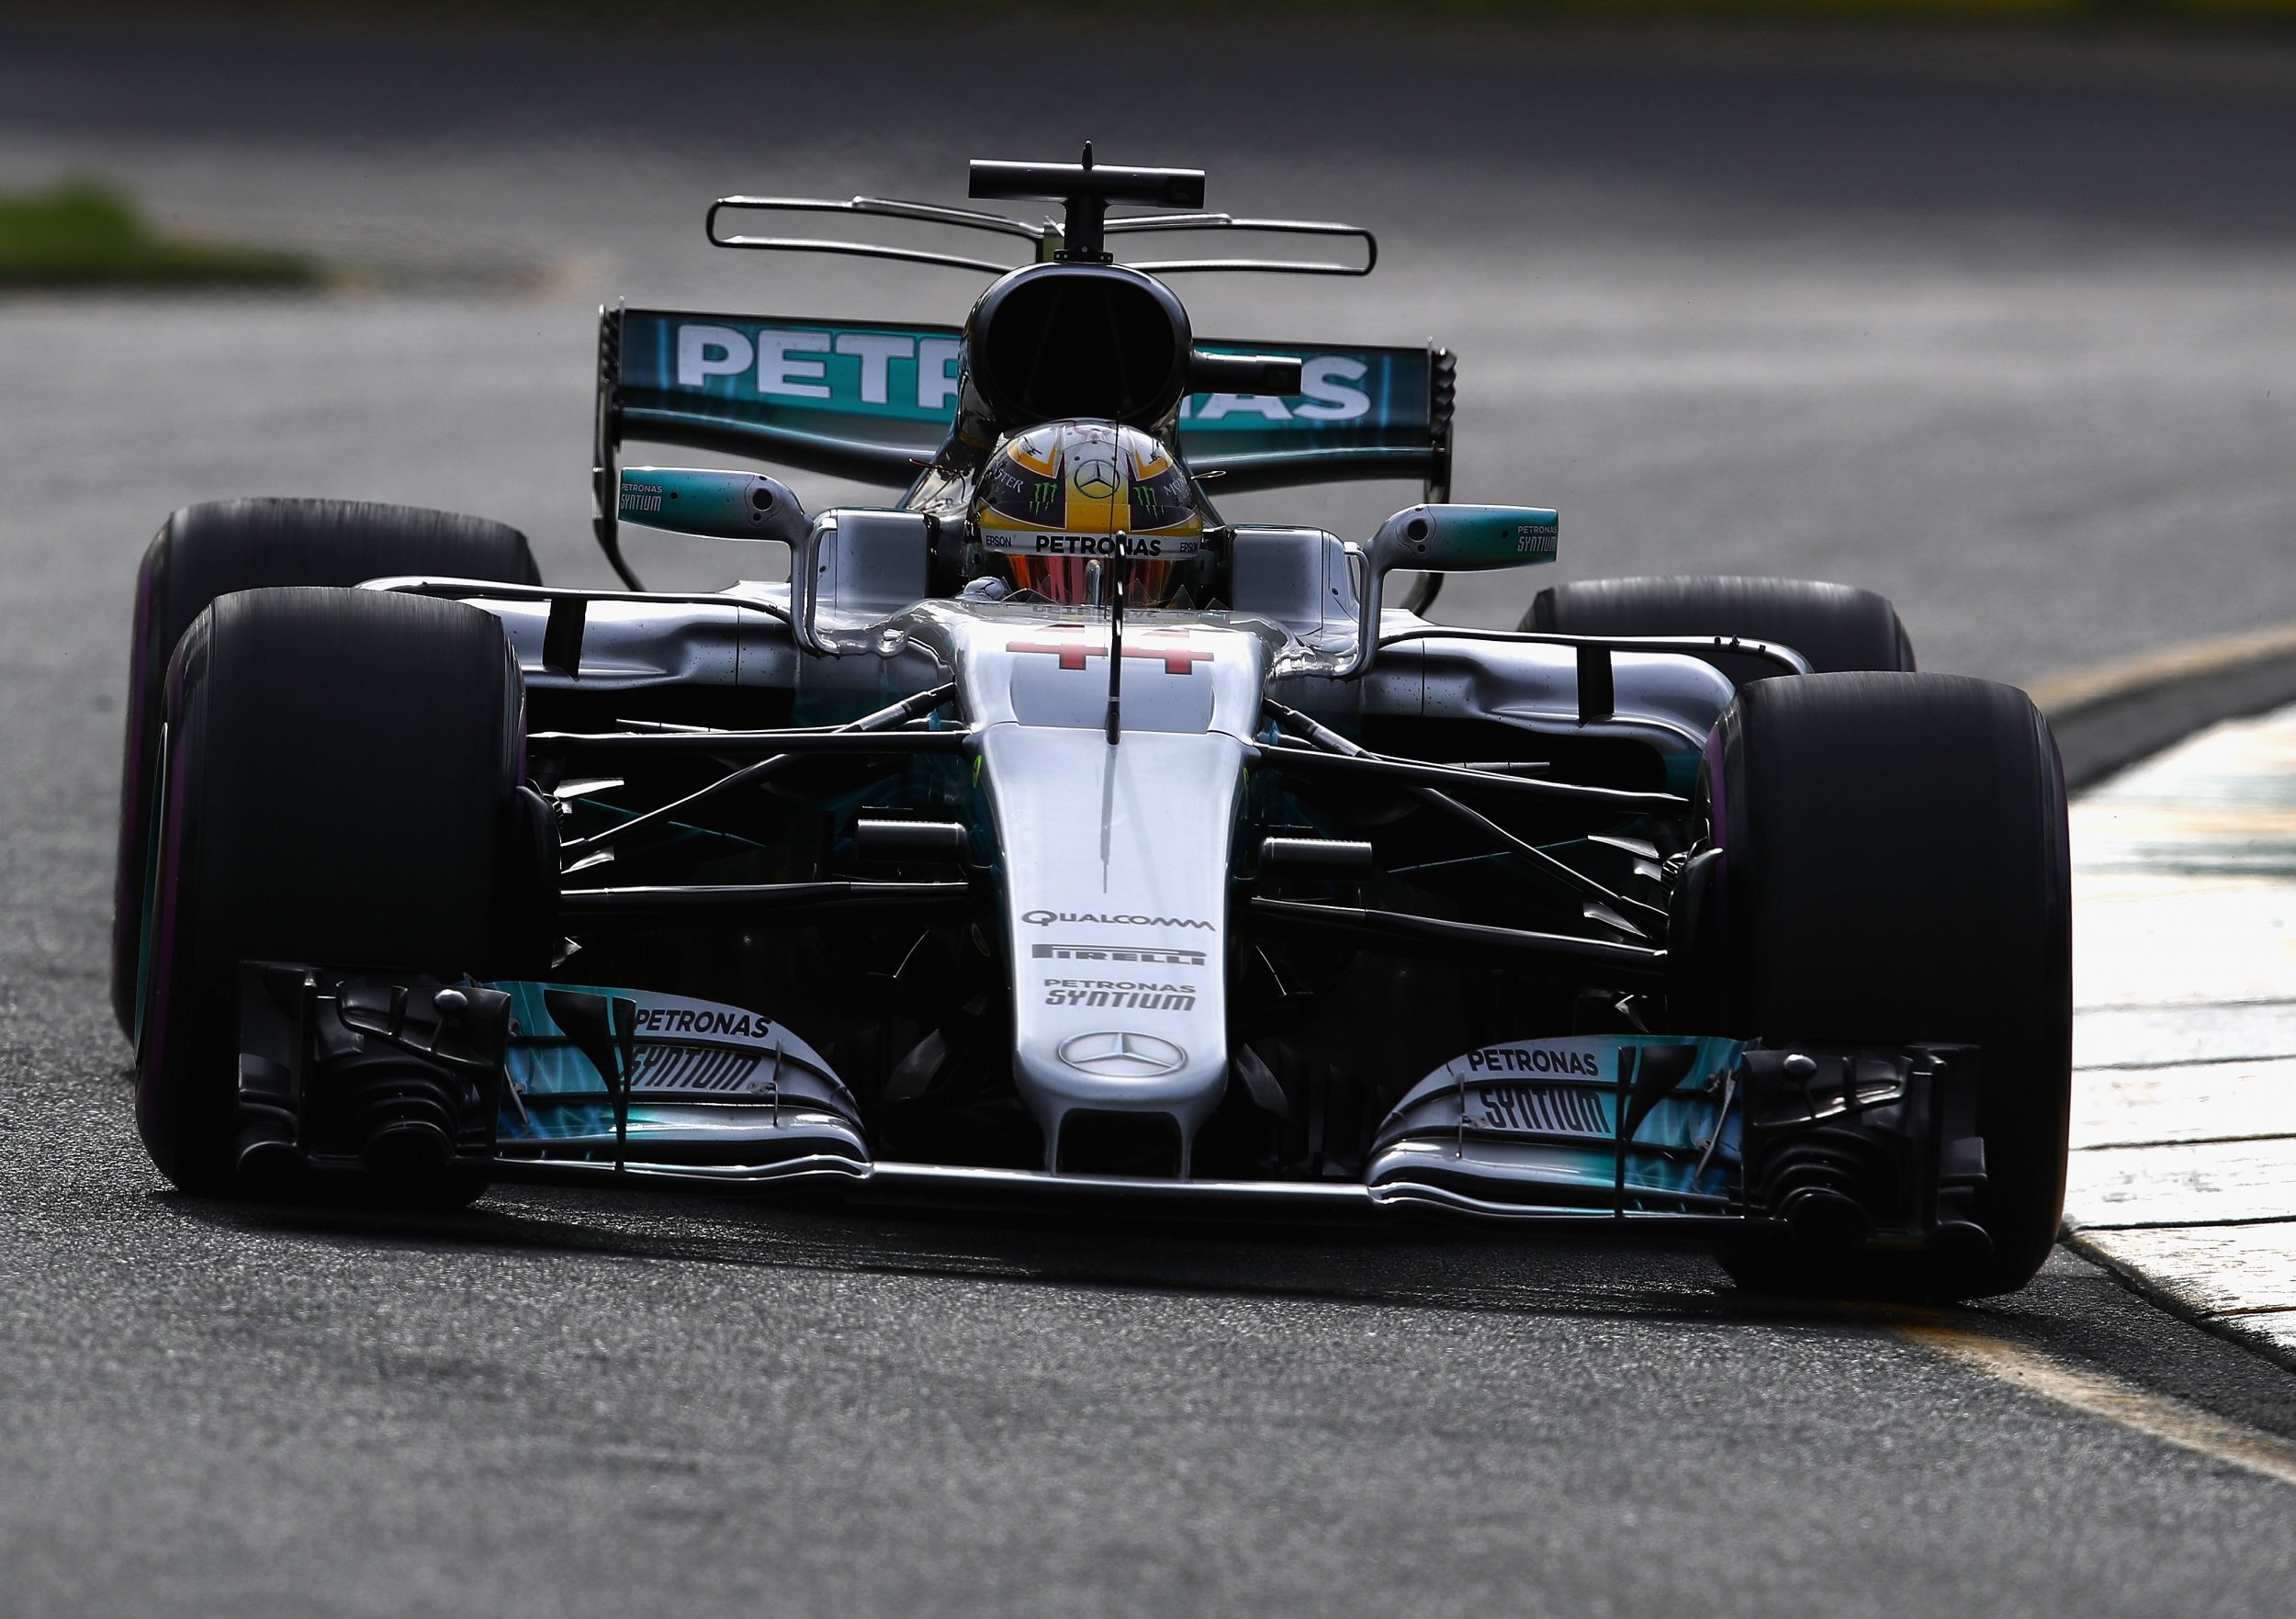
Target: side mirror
(731, 506)
(716, 505)
(1448, 539)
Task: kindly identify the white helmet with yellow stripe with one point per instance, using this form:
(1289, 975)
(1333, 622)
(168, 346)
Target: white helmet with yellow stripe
(1061, 509)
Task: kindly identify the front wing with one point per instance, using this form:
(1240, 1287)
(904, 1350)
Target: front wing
(346, 1072)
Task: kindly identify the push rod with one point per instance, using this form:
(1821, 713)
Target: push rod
(582, 904)
(1789, 661)
(1304, 761)
(1336, 746)
(782, 742)
(909, 708)
(1444, 936)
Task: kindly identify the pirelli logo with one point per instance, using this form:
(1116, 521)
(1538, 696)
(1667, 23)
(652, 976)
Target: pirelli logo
(1146, 955)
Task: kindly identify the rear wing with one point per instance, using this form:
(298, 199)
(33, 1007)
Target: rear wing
(874, 402)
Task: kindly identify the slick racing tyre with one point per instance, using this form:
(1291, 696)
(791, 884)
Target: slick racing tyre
(337, 787)
(1836, 627)
(209, 550)
(1894, 869)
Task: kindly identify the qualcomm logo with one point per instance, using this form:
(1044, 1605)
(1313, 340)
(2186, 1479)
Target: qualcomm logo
(1119, 1055)
(1046, 918)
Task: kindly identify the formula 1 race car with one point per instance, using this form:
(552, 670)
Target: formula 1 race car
(1049, 836)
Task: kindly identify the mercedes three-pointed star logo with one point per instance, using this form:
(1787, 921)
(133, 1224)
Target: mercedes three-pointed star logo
(1121, 1055)
(1096, 478)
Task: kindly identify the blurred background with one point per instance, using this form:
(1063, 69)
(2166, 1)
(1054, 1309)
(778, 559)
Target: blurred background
(1991, 308)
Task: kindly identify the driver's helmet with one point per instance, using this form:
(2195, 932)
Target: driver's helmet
(1062, 508)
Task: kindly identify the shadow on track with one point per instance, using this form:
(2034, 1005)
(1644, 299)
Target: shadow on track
(1420, 1261)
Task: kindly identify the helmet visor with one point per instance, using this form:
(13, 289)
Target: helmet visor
(1076, 581)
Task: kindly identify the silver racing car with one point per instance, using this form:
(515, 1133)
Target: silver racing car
(1049, 836)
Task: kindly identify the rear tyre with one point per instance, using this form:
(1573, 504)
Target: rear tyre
(1836, 627)
(206, 551)
(1894, 871)
(340, 768)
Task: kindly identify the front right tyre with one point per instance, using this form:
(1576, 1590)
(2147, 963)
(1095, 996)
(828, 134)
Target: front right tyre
(213, 549)
(338, 786)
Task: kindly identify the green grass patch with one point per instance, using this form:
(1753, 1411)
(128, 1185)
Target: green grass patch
(86, 234)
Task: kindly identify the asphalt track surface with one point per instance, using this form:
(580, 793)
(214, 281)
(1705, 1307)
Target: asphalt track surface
(2004, 332)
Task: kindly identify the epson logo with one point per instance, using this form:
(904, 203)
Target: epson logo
(1146, 955)
(1047, 919)
(1532, 1060)
(684, 1020)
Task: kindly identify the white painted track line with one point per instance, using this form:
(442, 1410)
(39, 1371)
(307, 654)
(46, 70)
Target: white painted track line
(2184, 1096)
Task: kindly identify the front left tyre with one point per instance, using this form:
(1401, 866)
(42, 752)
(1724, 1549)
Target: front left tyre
(338, 785)
(1894, 868)
(1837, 628)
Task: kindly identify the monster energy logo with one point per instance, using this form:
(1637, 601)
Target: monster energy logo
(1041, 496)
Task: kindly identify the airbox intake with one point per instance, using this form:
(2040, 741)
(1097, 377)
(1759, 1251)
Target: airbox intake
(1050, 342)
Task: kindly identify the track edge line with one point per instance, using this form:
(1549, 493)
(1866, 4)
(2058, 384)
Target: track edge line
(2156, 1291)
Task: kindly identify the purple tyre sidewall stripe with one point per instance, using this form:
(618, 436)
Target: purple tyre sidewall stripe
(1719, 808)
(1718, 800)
(135, 791)
(171, 877)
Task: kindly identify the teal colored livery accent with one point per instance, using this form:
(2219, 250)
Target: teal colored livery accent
(747, 1072)
(717, 505)
(896, 386)
(1549, 1110)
